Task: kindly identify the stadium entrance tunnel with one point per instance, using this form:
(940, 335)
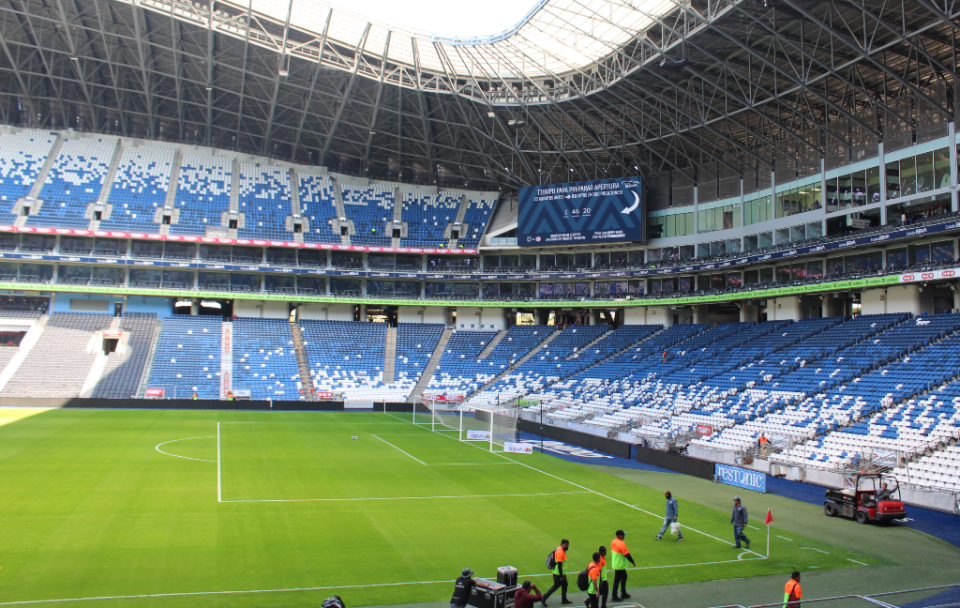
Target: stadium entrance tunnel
(110, 343)
(381, 314)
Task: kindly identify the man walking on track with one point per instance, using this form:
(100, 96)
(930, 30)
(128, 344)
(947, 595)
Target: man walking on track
(739, 521)
(792, 593)
(559, 576)
(671, 517)
(618, 561)
(593, 573)
(604, 583)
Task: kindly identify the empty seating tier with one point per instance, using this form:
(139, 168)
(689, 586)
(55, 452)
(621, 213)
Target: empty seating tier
(203, 193)
(75, 180)
(346, 357)
(139, 188)
(124, 370)
(60, 361)
(427, 217)
(265, 202)
(22, 156)
(188, 357)
(370, 208)
(318, 203)
(264, 359)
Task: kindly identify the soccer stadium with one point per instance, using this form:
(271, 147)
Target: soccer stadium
(325, 303)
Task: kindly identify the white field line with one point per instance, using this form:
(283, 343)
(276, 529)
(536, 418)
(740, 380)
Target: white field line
(219, 467)
(785, 538)
(617, 500)
(457, 496)
(305, 589)
(815, 549)
(299, 423)
(401, 451)
(157, 447)
(856, 562)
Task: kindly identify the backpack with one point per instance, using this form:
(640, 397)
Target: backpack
(552, 559)
(332, 602)
(583, 580)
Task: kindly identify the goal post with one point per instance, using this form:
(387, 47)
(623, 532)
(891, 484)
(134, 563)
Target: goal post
(493, 426)
(438, 412)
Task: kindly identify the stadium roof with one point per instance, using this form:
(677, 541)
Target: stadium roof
(579, 89)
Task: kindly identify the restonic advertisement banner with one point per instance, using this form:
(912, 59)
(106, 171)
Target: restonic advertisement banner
(742, 478)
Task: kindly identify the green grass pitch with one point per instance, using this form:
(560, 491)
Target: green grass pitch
(170, 509)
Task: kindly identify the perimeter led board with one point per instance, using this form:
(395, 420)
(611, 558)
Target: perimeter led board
(603, 211)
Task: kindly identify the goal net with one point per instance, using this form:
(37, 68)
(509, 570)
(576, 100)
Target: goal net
(494, 426)
(441, 414)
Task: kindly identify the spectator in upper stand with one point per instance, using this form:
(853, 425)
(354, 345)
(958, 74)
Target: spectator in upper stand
(196, 396)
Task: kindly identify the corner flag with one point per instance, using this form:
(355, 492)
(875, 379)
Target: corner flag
(769, 519)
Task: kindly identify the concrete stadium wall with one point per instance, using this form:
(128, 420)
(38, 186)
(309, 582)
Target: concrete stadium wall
(422, 314)
(583, 440)
(85, 302)
(162, 307)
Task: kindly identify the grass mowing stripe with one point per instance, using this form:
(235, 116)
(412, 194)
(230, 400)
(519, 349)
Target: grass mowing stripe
(458, 496)
(617, 500)
(157, 447)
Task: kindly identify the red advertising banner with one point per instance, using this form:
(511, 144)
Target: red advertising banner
(704, 429)
(444, 398)
(155, 393)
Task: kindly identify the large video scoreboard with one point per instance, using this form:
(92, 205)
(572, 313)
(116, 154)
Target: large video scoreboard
(603, 211)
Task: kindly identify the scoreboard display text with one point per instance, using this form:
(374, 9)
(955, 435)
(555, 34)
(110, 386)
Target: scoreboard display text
(603, 211)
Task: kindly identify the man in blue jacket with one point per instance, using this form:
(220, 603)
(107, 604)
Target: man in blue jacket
(672, 513)
(739, 521)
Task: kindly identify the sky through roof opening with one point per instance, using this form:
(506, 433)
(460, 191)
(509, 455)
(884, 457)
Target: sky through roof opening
(453, 19)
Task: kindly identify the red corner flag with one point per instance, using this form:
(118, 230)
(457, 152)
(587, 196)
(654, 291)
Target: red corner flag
(769, 519)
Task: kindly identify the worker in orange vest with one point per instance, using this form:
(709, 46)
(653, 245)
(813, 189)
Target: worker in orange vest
(792, 593)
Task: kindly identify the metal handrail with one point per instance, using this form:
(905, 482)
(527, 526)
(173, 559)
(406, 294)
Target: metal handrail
(869, 598)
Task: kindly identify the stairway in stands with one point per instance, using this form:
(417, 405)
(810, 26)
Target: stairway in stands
(390, 356)
(533, 351)
(431, 366)
(148, 367)
(306, 379)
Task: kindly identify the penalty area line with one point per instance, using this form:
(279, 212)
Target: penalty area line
(300, 589)
(401, 451)
(157, 448)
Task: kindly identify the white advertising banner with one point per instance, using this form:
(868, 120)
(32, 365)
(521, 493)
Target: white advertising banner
(517, 448)
(479, 435)
(929, 275)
